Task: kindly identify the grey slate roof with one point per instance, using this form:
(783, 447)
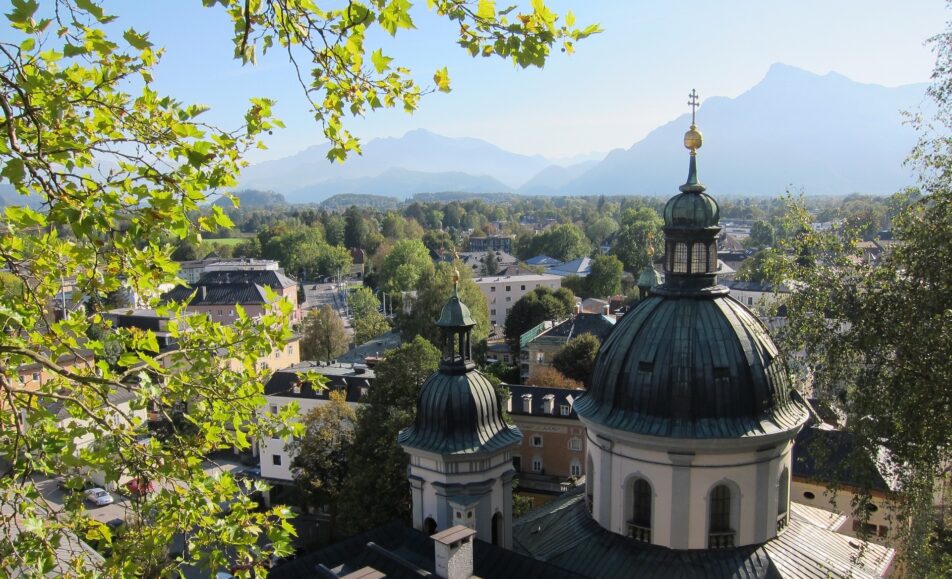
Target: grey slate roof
(270, 278)
(400, 552)
(544, 260)
(459, 414)
(564, 534)
(691, 367)
(219, 294)
(580, 267)
(342, 377)
(827, 456)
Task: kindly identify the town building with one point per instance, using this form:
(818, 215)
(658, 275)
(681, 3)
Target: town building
(491, 243)
(191, 271)
(501, 292)
(543, 261)
(540, 350)
(286, 387)
(552, 453)
(476, 260)
(217, 293)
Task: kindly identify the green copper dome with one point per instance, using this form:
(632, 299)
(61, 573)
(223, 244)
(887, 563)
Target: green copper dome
(692, 208)
(459, 413)
(691, 367)
(455, 314)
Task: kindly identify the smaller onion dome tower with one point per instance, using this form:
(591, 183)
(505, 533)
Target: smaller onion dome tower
(691, 416)
(459, 445)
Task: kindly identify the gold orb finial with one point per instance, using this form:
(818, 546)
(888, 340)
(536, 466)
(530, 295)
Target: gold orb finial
(455, 269)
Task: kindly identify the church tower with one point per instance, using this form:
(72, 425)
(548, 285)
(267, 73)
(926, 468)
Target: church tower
(691, 416)
(460, 447)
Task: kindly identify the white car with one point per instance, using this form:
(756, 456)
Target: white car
(99, 497)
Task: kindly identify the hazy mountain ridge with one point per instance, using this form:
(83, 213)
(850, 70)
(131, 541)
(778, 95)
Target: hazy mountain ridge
(418, 151)
(795, 129)
(401, 183)
(822, 134)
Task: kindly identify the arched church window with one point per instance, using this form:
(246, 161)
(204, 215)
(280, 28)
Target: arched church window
(680, 259)
(698, 258)
(721, 535)
(639, 527)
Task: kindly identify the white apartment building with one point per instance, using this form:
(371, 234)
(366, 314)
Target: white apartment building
(501, 292)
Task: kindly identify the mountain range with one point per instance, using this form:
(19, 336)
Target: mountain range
(822, 134)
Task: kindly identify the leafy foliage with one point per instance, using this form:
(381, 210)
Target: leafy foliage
(604, 280)
(638, 238)
(403, 266)
(376, 488)
(577, 358)
(323, 336)
(552, 378)
(564, 242)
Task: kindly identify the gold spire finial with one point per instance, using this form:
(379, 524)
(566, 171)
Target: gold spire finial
(693, 138)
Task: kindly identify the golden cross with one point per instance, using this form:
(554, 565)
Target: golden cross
(693, 103)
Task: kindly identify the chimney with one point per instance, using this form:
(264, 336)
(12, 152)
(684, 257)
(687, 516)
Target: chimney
(202, 292)
(548, 403)
(454, 552)
(527, 403)
(606, 310)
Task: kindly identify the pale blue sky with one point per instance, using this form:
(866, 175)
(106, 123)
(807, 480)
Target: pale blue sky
(616, 88)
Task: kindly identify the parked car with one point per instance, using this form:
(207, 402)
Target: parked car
(99, 497)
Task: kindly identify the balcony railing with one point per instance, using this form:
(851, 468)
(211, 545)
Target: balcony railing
(720, 540)
(639, 532)
(782, 520)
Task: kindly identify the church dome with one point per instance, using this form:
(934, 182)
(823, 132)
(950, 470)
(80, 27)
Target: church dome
(459, 413)
(690, 361)
(691, 209)
(691, 367)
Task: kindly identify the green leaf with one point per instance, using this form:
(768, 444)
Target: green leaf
(442, 80)
(27, 45)
(486, 9)
(136, 40)
(22, 14)
(381, 62)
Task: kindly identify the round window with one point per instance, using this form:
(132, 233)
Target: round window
(808, 495)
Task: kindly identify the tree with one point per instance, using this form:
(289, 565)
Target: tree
(322, 453)
(605, 277)
(376, 488)
(880, 334)
(564, 242)
(601, 229)
(535, 307)
(761, 234)
(434, 289)
(552, 378)
(755, 267)
(437, 240)
(324, 337)
(119, 171)
(577, 358)
(403, 266)
(638, 238)
(491, 266)
(368, 321)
